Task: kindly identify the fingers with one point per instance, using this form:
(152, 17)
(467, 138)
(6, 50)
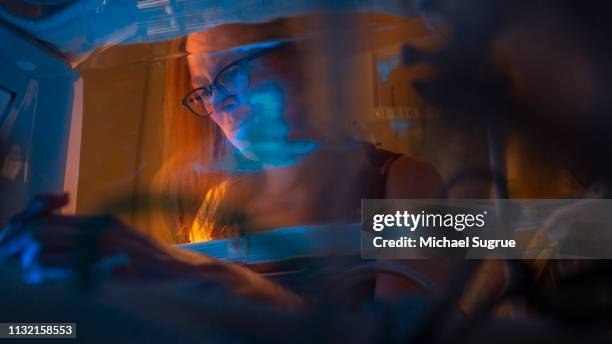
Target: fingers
(42, 262)
(51, 267)
(37, 273)
(56, 233)
(52, 246)
(59, 238)
(13, 247)
(108, 232)
(30, 251)
(37, 264)
(60, 259)
(48, 237)
(41, 205)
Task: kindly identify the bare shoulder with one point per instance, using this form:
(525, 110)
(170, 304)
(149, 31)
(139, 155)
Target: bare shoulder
(412, 177)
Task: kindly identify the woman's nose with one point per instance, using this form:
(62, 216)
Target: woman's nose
(221, 100)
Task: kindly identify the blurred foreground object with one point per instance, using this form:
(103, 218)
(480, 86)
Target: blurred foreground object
(79, 26)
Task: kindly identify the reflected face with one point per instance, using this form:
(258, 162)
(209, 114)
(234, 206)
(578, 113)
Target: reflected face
(253, 118)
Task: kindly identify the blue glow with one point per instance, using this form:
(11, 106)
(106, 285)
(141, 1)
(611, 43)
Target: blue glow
(265, 132)
(36, 274)
(386, 66)
(31, 250)
(401, 125)
(33, 276)
(108, 263)
(250, 47)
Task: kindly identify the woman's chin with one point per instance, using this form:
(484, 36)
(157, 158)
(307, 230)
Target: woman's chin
(278, 153)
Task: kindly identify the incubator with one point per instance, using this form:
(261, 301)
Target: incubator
(107, 117)
(252, 136)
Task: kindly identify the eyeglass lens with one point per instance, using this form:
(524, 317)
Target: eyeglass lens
(231, 81)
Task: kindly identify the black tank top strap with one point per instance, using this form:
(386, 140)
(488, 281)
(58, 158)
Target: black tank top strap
(374, 177)
(381, 159)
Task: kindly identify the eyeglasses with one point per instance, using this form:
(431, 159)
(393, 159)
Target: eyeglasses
(232, 80)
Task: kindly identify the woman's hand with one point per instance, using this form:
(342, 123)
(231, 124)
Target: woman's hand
(53, 247)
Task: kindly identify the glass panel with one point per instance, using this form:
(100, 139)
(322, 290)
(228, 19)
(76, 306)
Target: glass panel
(5, 101)
(35, 126)
(327, 109)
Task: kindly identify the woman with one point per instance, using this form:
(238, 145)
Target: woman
(244, 144)
(266, 117)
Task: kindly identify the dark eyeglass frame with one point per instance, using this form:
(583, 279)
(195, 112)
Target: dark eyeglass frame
(216, 85)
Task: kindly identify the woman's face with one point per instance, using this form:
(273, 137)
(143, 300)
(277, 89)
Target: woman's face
(261, 120)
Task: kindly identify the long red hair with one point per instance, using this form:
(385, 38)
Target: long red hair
(192, 145)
